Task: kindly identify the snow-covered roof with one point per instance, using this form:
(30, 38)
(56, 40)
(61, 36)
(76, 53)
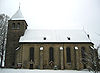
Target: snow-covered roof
(54, 36)
(18, 15)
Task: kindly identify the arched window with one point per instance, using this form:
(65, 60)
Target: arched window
(13, 26)
(68, 55)
(83, 53)
(18, 26)
(31, 54)
(51, 54)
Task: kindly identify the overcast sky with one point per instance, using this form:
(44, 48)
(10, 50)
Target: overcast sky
(58, 14)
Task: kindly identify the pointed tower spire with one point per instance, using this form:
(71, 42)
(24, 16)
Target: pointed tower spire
(18, 15)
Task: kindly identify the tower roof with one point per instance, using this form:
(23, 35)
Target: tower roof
(18, 15)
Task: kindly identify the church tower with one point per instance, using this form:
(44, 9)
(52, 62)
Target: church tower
(16, 28)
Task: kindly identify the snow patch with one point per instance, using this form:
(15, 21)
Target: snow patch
(40, 71)
(76, 47)
(41, 48)
(61, 48)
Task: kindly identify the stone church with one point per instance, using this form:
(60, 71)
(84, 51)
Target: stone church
(44, 49)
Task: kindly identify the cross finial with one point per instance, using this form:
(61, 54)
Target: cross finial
(19, 5)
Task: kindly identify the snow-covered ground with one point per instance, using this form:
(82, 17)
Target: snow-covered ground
(40, 71)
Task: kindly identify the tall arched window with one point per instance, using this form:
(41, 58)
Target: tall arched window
(83, 56)
(68, 55)
(31, 54)
(83, 53)
(51, 54)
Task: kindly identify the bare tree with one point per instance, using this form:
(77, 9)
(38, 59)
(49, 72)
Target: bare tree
(91, 59)
(3, 33)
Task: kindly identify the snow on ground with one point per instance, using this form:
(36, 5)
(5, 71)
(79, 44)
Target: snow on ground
(40, 71)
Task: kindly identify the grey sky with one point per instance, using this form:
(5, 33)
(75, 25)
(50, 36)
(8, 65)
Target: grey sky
(58, 14)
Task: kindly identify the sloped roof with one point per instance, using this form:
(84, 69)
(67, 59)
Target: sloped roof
(54, 36)
(18, 15)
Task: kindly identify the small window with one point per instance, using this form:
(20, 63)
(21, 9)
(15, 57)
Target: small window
(44, 38)
(13, 26)
(68, 38)
(88, 35)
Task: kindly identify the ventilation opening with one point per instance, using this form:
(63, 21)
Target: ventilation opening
(68, 38)
(44, 38)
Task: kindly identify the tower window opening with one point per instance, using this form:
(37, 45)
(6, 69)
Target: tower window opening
(18, 25)
(13, 26)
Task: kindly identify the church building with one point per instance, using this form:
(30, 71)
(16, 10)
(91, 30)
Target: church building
(44, 49)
